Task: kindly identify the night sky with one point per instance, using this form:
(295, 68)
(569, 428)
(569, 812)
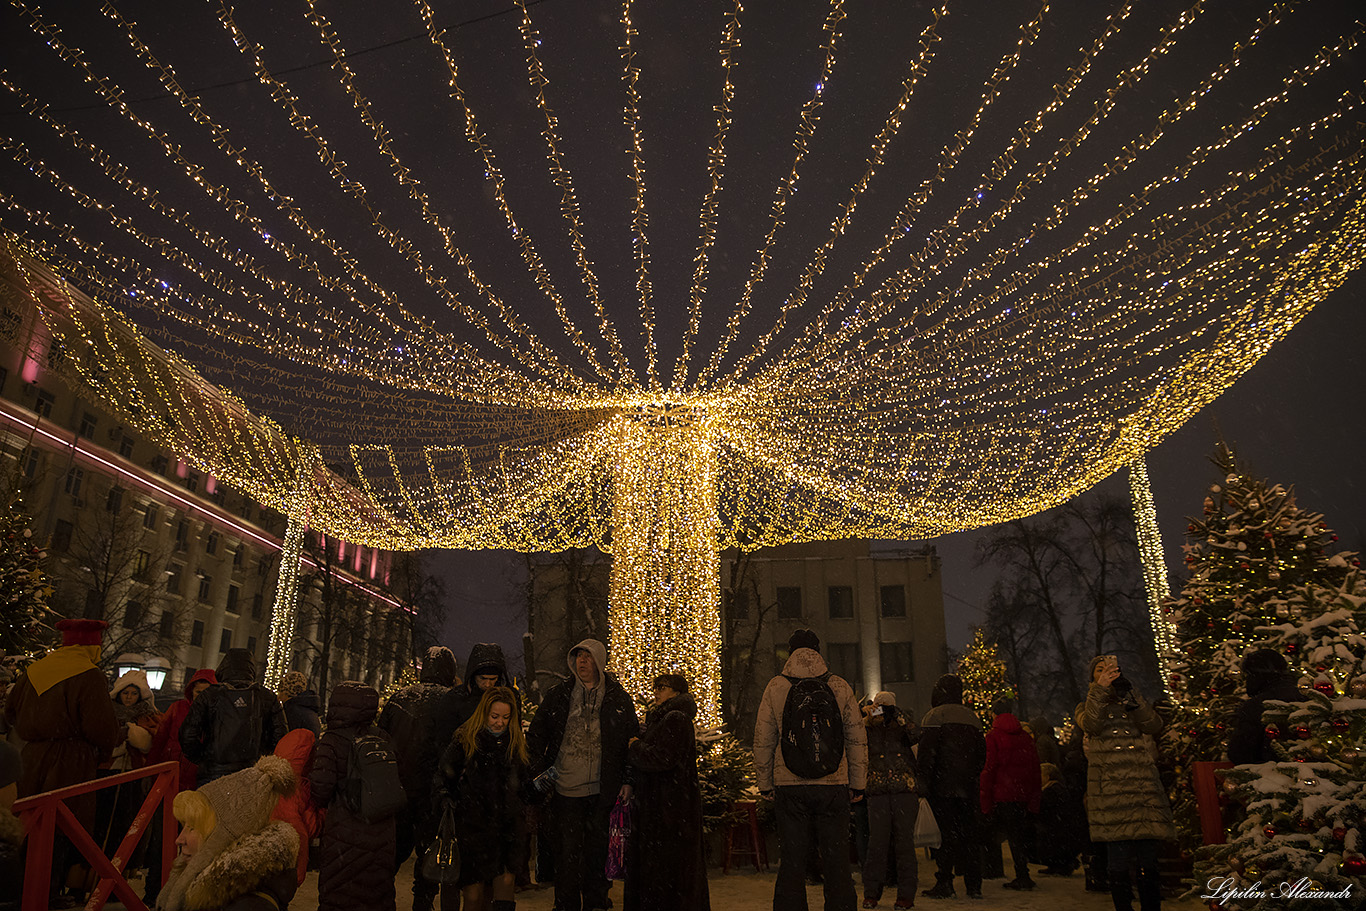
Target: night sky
(1294, 418)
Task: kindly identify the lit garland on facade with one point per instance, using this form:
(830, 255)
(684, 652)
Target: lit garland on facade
(1154, 567)
(1010, 337)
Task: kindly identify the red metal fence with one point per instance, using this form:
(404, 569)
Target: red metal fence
(43, 814)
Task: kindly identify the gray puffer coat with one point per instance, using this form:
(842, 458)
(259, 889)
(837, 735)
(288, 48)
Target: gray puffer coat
(1125, 800)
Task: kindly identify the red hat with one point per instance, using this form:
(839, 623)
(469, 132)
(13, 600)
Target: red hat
(82, 632)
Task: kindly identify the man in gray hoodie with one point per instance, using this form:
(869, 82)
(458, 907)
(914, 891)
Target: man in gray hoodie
(810, 810)
(583, 728)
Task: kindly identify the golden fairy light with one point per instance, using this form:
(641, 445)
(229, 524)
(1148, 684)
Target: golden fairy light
(1068, 278)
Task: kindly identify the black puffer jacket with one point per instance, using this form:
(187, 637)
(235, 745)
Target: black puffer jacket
(1268, 677)
(357, 863)
(410, 717)
(459, 704)
(952, 748)
(234, 722)
(665, 870)
(487, 791)
(304, 711)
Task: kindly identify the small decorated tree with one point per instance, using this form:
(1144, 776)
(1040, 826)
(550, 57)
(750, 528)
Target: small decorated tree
(985, 677)
(24, 588)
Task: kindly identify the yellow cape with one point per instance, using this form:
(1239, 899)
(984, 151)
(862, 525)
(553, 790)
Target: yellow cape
(58, 665)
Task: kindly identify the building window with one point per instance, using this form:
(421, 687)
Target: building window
(211, 543)
(149, 516)
(44, 404)
(239, 555)
(114, 502)
(56, 355)
(192, 482)
(737, 605)
(897, 664)
(88, 423)
(257, 606)
(182, 535)
(142, 563)
(126, 447)
(32, 459)
(263, 567)
(61, 536)
(841, 603)
(160, 464)
(173, 578)
(132, 615)
(189, 675)
(94, 604)
(251, 645)
(167, 627)
(843, 659)
(204, 583)
(789, 603)
(74, 479)
(893, 600)
(233, 594)
(197, 633)
(225, 640)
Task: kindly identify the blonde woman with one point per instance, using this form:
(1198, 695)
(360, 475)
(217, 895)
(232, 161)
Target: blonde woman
(485, 771)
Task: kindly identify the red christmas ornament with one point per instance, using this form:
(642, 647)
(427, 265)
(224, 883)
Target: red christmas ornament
(1244, 565)
(1273, 732)
(1269, 831)
(1340, 723)
(1354, 865)
(1332, 537)
(1326, 687)
(1190, 558)
(1291, 648)
(1302, 731)
(1339, 833)
(1190, 529)
(1267, 534)
(1304, 825)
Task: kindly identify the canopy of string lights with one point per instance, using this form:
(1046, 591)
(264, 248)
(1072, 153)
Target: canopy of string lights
(418, 251)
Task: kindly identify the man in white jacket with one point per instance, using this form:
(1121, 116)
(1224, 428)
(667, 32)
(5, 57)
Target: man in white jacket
(810, 810)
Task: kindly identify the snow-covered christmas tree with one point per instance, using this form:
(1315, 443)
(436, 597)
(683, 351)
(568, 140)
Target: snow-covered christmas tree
(1305, 814)
(24, 588)
(984, 675)
(1262, 575)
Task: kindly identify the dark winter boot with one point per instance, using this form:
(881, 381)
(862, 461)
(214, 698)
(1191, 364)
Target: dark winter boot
(1149, 890)
(1121, 892)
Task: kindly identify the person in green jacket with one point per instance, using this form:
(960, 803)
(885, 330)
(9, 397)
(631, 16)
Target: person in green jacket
(1126, 805)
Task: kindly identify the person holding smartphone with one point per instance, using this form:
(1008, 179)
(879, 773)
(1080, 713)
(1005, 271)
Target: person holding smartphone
(1126, 805)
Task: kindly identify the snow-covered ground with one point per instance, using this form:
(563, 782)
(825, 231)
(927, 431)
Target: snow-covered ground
(754, 892)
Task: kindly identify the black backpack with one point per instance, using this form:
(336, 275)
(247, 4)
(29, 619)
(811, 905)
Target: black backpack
(237, 725)
(813, 731)
(372, 789)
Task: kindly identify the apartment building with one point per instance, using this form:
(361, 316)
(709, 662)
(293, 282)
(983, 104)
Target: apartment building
(180, 566)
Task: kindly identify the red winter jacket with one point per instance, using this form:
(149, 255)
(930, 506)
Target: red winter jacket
(166, 742)
(297, 808)
(1011, 774)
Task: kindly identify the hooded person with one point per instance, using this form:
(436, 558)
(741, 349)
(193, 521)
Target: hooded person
(952, 754)
(297, 808)
(137, 712)
(166, 743)
(1011, 787)
(817, 807)
(232, 856)
(582, 730)
(356, 869)
(1126, 804)
(234, 722)
(1267, 676)
(893, 804)
(61, 708)
(411, 718)
(665, 856)
(301, 706)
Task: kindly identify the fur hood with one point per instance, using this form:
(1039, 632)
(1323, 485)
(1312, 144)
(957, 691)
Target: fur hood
(805, 662)
(136, 679)
(241, 866)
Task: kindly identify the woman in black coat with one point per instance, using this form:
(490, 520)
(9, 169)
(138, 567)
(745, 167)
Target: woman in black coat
(357, 863)
(665, 870)
(484, 771)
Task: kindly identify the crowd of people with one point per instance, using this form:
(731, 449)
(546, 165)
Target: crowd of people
(451, 765)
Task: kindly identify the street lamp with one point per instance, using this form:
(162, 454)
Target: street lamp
(127, 663)
(157, 670)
